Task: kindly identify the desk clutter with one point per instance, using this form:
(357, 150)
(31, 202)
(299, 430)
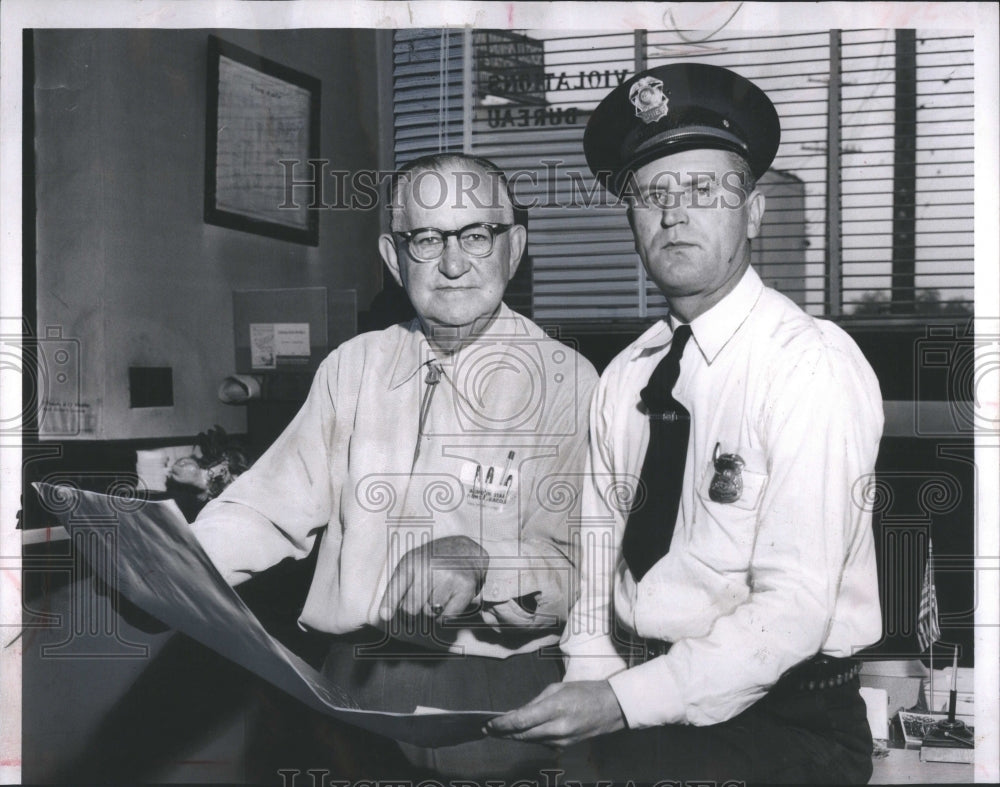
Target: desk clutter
(931, 714)
(194, 474)
(936, 740)
(937, 698)
(949, 740)
(152, 465)
(941, 724)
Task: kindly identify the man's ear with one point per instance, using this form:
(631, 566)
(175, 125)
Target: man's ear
(518, 241)
(755, 213)
(387, 250)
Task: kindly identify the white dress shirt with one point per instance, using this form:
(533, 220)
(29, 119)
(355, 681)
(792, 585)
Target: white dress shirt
(751, 588)
(505, 429)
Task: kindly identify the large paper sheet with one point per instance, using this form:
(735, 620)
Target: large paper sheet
(145, 549)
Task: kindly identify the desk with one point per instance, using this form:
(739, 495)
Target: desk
(903, 766)
(111, 698)
(114, 703)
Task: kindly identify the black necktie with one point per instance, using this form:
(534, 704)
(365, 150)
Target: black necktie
(654, 509)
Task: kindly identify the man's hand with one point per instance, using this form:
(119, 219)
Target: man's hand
(439, 579)
(563, 714)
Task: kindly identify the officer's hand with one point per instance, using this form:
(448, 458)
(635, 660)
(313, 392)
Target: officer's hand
(439, 579)
(563, 714)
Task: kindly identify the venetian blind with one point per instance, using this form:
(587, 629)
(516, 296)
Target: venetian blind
(895, 239)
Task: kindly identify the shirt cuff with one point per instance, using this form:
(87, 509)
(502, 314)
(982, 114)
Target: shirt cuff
(593, 658)
(592, 667)
(216, 539)
(649, 694)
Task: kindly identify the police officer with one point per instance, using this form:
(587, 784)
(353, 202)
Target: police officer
(741, 574)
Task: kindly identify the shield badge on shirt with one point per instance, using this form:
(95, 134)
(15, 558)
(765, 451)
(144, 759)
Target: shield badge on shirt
(727, 483)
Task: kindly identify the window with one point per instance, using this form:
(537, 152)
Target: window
(881, 230)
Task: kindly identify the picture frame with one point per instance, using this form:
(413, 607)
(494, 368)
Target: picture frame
(262, 125)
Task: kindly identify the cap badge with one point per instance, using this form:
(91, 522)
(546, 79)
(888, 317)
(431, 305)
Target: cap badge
(648, 99)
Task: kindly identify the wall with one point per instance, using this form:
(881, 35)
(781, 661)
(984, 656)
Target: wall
(126, 265)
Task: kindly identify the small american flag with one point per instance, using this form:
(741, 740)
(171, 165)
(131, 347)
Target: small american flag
(928, 628)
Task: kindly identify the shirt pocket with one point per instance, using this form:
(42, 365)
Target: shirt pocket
(724, 537)
(490, 485)
(749, 481)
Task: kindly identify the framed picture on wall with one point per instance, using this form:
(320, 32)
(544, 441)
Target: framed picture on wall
(261, 130)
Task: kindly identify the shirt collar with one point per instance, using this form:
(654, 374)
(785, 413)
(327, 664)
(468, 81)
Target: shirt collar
(713, 329)
(414, 351)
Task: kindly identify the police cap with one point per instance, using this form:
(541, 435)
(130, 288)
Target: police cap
(677, 107)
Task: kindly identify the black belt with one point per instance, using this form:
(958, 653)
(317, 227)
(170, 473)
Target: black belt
(819, 672)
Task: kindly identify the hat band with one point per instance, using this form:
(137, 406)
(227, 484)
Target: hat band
(687, 138)
(693, 131)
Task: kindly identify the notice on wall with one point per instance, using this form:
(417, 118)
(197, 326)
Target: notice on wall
(286, 329)
(274, 344)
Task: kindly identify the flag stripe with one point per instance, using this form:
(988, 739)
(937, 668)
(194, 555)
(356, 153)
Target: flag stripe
(928, 626)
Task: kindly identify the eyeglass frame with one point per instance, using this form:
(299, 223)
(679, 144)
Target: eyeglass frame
(495, 228)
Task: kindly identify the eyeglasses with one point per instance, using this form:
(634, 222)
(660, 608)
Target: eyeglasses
(427, 243)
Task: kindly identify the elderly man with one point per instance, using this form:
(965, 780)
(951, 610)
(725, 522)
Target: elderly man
(742, 572)
(422, 467)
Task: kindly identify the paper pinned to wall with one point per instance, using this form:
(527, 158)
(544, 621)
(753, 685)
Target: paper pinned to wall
(284, 329)
(273, 344)
(155, 561)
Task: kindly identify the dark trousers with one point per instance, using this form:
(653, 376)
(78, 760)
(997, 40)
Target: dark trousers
(391, 682)
(788, 737)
